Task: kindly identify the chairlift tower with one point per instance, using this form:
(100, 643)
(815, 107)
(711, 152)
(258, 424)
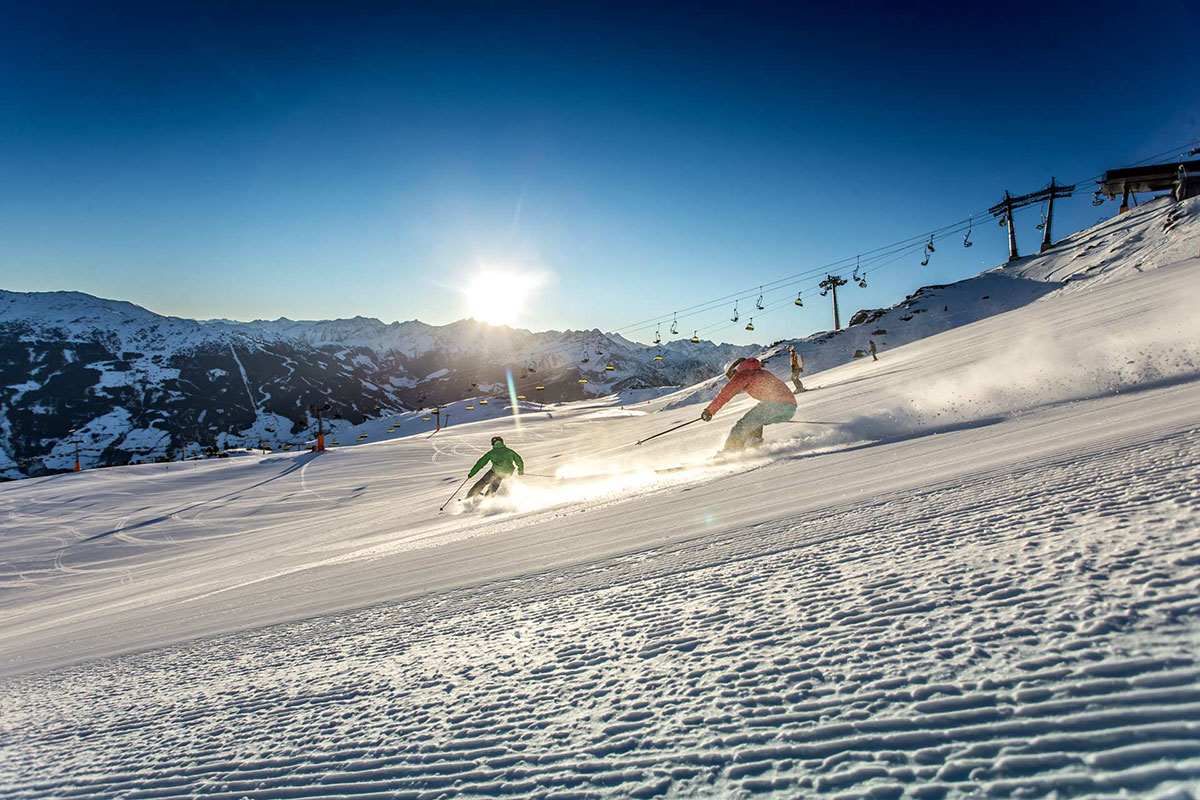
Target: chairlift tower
(320, 424)
(1054, 191)
(831, 284)
(1006, 207)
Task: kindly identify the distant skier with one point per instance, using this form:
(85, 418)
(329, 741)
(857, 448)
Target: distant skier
(776, 402)
(873, 356)
(504, 461)
(797, 368)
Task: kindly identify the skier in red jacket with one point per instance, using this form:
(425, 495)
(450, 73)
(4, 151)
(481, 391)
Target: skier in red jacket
(776, 402)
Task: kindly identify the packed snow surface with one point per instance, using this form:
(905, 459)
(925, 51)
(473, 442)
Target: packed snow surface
(972, 572)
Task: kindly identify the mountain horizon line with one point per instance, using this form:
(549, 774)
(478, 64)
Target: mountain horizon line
(281, 320)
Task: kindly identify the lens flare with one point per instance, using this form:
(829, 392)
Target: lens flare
(512, 396)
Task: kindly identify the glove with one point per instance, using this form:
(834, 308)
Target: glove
(520, 472)
(706, 415)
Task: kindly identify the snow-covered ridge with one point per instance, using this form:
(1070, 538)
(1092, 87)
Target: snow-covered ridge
(76, 316)
(1153, 235)
(80, 316)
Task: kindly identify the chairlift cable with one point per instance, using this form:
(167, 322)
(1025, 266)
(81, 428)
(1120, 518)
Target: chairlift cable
(944, 230)
(876, 258)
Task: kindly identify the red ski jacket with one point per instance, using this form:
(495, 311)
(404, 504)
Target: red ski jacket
(756, 382)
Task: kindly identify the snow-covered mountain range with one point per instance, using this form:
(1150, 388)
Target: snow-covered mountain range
(138, 385)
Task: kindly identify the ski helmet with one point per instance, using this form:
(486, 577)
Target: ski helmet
(729, 373)
(497, 440)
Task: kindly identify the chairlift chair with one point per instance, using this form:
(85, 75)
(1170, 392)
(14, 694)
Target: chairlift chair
(750, 324)
(929, 245)
(759, 303)
(734, 318)
(862, 281)
(695, 337)
(674, 324)
(799, 300)
(925, 260)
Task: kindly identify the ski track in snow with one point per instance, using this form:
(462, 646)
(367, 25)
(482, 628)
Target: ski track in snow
(1050, 648)
(245, 379)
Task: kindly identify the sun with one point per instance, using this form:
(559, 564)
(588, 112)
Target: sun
(498, 297)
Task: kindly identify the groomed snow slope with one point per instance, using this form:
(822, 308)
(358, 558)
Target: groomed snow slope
(982, 582)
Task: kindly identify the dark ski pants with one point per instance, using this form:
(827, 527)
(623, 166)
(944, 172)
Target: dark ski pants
(487, 485)
(749, 429)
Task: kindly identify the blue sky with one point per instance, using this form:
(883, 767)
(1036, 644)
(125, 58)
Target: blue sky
(211, 161)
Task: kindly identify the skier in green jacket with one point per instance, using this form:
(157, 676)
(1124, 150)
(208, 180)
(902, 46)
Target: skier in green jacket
(504, 461)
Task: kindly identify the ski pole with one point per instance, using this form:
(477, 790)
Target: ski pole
(464, 483)
(809, 422)
(664, 433)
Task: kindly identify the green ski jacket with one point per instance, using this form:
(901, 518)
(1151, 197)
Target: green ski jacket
(504, 462)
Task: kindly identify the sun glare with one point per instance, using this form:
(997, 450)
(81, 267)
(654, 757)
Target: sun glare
(498, 297)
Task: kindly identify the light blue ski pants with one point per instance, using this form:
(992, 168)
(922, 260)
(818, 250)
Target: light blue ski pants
(768, 412)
